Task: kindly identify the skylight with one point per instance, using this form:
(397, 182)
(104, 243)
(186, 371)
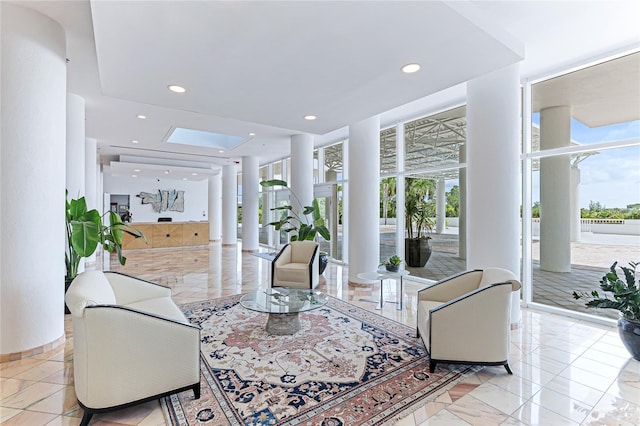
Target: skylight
(204, 139)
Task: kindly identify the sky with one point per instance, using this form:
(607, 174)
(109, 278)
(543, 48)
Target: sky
(611, 177)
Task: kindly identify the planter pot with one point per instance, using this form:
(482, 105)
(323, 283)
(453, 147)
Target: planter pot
(392, 268)
(417, 251)
(67, 283)
(630, 334)
(323, 260)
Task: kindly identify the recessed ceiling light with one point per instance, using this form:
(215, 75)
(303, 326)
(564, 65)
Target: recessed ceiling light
(141, 117)
(134, 175)
(310, 117)
(136, 170)
(185, 179)
(410, 68)
(177, 89)
(194, 174)
(134, 141)
(252, 134)
(222, 150)
(166, 172)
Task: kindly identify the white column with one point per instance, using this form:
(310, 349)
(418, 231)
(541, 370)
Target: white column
(400, 188)
(215, 207)
(364, 197)
(555, 186)
(229, 205)
(462, 208)
(493, 197)
(75, 148)
(250, 194)
(91, 173)
(301, 170)
(441, 205)
(32, 172)
(575, 204)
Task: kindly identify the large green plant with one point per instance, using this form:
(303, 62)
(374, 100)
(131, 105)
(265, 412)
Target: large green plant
(626, 294)
(417, 211)
(85, 230)
(306, 224)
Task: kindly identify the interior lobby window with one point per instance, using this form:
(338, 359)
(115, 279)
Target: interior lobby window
(388, 151)
(433, 147)
(585, 183)
(333, 163)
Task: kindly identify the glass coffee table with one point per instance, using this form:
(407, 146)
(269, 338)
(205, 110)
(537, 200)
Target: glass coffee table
(283, 305)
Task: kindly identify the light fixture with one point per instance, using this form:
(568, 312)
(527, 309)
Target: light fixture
(222, 150)
(141, 117)
(166, 172)
(134, 175)
(177, 89)
(252, 134)
(194, 174)
(310, 117)
(410, 68)
(134, 141)
(136, 170)
(185, 179)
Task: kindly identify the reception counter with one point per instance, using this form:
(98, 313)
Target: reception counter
(168, 234)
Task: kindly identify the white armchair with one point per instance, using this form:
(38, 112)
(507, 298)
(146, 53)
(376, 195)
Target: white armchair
(465, 319)
(296, 265)
(131, 343)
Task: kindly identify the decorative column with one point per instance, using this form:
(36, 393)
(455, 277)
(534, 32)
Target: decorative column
(400, 188)
(462, 207)
(555, 184)
(91, 173)
(215, 207)
(364, 197)
(250, 193)
(229, 205)
(75, 148)
(32, 172)
(493, 168)
(441, 205)
(575, 204)
(301, 170)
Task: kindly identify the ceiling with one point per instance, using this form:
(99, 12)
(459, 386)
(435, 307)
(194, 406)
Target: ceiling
(259, 67)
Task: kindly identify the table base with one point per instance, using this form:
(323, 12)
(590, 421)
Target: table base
(283, 324)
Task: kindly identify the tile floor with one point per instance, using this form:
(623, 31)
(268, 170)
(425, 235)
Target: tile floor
(566, 372)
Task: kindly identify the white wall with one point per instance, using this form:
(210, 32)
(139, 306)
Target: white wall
(195, 197)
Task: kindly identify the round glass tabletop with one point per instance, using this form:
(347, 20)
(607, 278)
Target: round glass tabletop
(283, 300)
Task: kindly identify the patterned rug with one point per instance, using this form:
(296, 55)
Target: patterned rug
(347, 366)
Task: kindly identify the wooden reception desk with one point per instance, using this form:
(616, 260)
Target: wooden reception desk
(168, 234)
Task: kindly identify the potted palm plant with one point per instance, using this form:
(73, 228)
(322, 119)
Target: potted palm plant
(625, 298)
(303, 225)
(418, 222)
(85, 231)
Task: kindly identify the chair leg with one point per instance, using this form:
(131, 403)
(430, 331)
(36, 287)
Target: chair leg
(86, 417)
(432, 366)
(196, 391)
(506, 366)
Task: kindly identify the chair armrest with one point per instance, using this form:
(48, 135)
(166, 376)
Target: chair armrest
(113, 344)
(451, 287)
(284, 256)
(128, 289)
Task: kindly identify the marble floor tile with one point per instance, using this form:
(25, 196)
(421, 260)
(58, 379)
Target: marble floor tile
(574, 390)
(533, 414)
(612, 410)
(476, 412)
(442, 418)
(498, 398)
(561, 404)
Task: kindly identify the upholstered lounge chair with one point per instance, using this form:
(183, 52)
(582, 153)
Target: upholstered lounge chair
(465, 319)
(296, 265)
(131, 343)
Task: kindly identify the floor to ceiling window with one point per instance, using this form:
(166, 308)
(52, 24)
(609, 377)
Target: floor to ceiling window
(585, 180)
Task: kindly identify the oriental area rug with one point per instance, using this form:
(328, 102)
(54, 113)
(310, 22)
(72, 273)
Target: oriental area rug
(347, 366)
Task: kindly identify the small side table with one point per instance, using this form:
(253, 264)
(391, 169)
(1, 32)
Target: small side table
(383, 274)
